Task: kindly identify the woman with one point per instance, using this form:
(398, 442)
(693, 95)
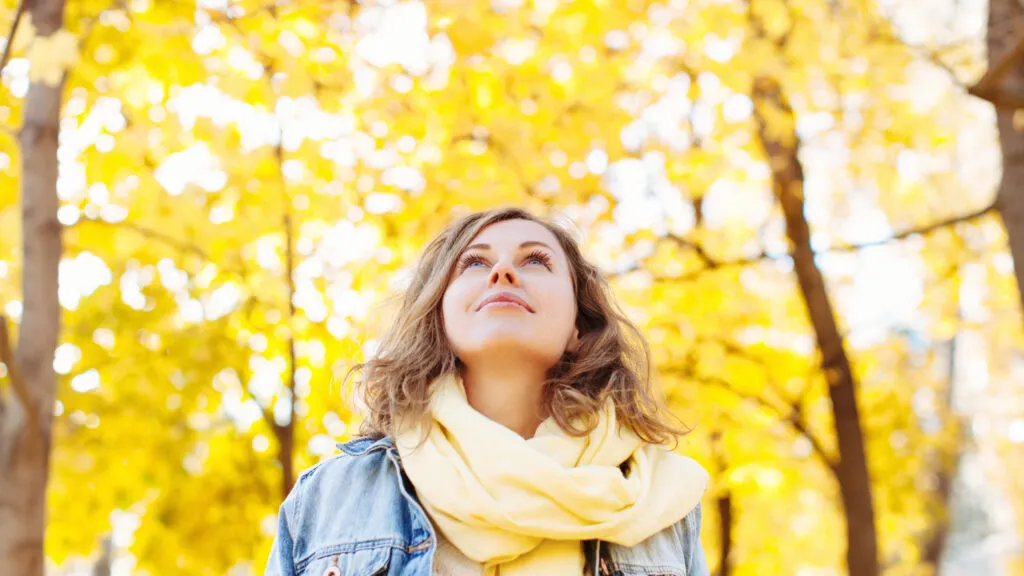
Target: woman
(511, 429)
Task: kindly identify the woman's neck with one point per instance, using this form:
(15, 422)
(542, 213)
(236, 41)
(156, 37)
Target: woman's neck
(508, 394)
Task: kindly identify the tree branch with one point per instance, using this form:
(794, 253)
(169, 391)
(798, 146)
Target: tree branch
(698, 249)
(988, 87)
(796, 414)
(180, 245)
(238, 268)
(712, 263)
(794, 417)
(923, 230)
(20, 388)
(10, 35)
(998, 99)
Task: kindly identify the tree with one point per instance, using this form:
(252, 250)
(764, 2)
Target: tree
(851, 467)
(1003, 85)
(233, 214)
(27, 415)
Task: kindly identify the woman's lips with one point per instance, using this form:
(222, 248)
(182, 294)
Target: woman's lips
(503, 304)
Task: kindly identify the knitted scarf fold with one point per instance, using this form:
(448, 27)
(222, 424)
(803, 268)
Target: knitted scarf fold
(522, 506)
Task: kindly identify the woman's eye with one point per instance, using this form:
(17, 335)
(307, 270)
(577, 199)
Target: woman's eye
(469, 261)
(541, 257)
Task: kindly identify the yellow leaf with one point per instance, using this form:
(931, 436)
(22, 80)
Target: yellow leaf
(26, 32)
(51, 55)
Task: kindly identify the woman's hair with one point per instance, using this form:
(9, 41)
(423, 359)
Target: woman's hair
(612, 357)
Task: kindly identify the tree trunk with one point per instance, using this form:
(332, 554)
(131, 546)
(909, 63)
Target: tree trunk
(780, 145)
(286, 433)
(724, 503)
(26, 422)
(103, 565)
(947, 466)
(1004, 35)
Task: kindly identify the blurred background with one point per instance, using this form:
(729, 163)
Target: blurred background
(203, 206)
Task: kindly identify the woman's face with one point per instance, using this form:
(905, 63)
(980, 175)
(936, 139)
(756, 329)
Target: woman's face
(522, 260)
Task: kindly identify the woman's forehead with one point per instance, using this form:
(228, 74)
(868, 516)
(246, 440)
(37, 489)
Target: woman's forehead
(512, 233)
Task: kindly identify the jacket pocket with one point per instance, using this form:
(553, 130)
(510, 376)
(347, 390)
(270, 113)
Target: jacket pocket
(649, 570)
(371, 561)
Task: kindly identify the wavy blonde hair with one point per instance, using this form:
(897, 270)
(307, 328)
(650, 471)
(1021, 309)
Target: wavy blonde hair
(612, 359)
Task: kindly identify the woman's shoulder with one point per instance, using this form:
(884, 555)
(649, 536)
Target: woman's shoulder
(347, 501)
(347, 512)
(362, 469)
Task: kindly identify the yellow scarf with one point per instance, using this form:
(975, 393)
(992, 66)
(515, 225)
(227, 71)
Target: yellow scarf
(525, 504)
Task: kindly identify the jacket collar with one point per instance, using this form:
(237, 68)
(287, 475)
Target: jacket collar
(366, 444)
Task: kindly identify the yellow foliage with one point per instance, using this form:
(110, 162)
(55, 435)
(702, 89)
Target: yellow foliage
(50, 56)
(633, 119)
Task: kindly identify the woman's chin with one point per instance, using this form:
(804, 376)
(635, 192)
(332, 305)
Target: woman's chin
(506, 345)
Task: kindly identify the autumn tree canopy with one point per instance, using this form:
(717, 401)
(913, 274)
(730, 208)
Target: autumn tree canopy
(205, 206)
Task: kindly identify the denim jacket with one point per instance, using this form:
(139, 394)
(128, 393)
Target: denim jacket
(355, 514)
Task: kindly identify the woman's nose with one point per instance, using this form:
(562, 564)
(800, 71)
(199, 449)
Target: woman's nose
(505, 273)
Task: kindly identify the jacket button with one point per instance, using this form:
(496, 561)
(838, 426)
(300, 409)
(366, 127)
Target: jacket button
(332, 571)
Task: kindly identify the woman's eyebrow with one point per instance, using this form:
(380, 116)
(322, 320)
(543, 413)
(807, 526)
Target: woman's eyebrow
(483, 246)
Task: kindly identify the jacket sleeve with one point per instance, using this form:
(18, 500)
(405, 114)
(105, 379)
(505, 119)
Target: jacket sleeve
(698, 565)
(282, 551)
(281, 562)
